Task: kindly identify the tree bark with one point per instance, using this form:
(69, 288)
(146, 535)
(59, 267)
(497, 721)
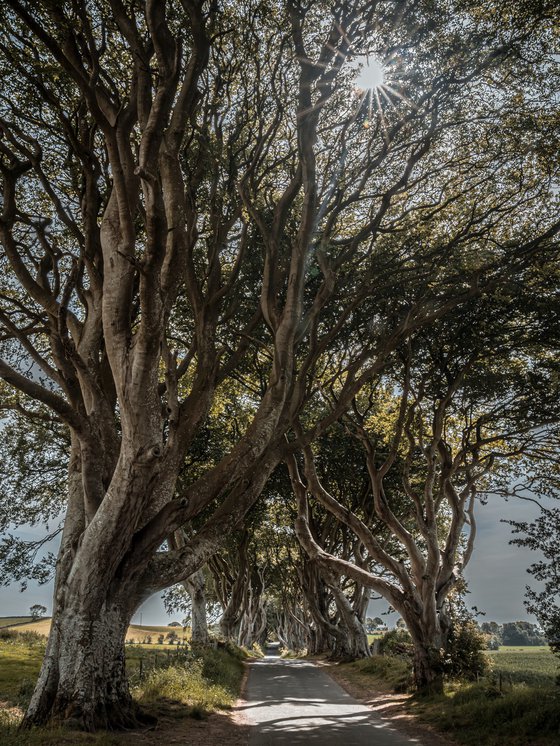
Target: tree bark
(196, 588)
(355, 645)
(83, 680)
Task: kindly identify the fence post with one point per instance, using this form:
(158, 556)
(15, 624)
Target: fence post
(141, 673)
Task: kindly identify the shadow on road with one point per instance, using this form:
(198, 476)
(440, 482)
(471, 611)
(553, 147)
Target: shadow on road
(294, 702)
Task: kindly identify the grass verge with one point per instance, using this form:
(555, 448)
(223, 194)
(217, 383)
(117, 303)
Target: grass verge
(526, 712)
(210, 680)
(206, 680)
(479, 715)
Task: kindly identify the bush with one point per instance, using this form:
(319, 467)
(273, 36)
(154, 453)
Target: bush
(396, 642)
(464, 657)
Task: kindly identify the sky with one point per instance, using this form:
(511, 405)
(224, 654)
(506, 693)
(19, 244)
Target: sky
(497, 574)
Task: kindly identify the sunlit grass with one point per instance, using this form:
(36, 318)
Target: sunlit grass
(136, 633)
(516, 705)
(209, 681)
(379, 672)
(192, 684)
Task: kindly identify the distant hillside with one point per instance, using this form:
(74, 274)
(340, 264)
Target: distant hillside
(11, 621)
(135, 631)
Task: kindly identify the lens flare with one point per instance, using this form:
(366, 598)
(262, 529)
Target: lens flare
(371, 75)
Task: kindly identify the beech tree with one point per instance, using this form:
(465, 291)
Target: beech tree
(191, 194)
(542, 535)
(458, 408)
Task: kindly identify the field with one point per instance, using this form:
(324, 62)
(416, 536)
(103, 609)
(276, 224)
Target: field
(8, 621)
(518, 704)
(135, 632)
(534, 666)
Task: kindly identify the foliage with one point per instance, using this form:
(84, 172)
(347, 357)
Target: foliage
(37, 611)
(33, 457)
(521, 633)
(397, 642)
(464, 656)
(214, 249)
(543, 535)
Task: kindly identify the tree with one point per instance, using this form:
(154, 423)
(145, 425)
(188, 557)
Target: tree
(543, 535)
(520, 633)
(37, 611)
(462, 411)
(191, 197)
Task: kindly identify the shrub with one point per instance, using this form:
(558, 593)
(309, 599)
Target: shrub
(464, 657)
(396, 642)
(27, 638)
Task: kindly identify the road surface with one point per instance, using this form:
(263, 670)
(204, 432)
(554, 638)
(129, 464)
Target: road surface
(295, 702)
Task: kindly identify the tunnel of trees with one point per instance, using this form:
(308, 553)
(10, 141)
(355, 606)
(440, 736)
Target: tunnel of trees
(267, 334)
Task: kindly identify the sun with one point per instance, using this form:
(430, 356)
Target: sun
(371, 75)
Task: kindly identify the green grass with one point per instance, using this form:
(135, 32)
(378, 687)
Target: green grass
(20, 661)
(194, 685)
(526, 712)
(210, 680)
(534, 666)
(381, 672)
(478, 715)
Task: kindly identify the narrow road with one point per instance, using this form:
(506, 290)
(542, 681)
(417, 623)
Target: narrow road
(295, 702)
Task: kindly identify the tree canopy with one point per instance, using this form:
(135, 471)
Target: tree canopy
(205, 220)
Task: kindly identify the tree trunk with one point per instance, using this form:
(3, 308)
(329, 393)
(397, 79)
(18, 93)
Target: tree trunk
(429, 637)
(83, 679)
(196, 588)
(428, 668)
(355, 643)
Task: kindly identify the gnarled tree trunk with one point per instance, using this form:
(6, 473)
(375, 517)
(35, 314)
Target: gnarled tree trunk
(83, 679)
(355, 645)
(196, 588)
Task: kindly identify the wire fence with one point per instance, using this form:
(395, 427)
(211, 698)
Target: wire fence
(141, 665)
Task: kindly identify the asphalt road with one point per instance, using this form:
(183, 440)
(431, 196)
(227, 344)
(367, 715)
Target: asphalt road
(295, 702)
